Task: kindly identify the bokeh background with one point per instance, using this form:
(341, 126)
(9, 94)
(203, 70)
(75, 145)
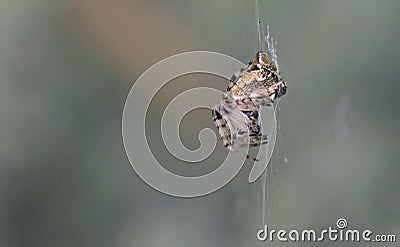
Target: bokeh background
(66, 68)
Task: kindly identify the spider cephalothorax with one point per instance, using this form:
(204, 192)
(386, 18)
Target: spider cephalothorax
(256, 84)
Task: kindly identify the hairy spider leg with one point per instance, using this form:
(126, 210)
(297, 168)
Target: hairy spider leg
(252, 141)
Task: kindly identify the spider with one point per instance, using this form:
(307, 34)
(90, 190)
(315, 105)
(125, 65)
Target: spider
(237, 117)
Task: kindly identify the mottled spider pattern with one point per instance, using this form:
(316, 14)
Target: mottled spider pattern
(237, 117)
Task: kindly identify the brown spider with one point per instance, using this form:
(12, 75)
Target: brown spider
(237, 117)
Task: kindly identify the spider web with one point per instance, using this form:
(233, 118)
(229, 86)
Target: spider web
(267, 44)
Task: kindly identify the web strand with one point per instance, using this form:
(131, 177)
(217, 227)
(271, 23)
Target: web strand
(259, 26)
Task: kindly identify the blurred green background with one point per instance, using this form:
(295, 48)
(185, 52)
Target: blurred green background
(66, 68)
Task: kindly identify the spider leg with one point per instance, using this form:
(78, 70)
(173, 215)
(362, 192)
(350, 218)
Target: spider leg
(222, 126)
(265, 101)
(252, 141)
(249, 157)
